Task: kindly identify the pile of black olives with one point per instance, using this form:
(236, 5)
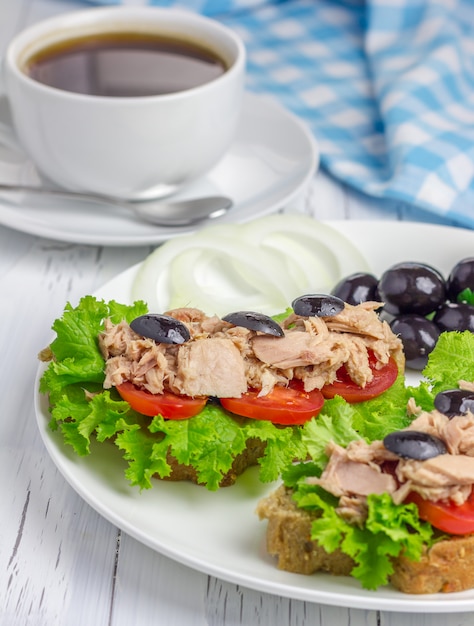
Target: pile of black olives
(419, 303)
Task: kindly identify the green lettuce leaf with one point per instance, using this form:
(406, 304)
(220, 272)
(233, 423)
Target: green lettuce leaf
(81, 416)
(77, 357)
(334, 423)
(281, 317)
(142, 451)
(452, 360)
(283, 447)
(375, 418)
(390, 530)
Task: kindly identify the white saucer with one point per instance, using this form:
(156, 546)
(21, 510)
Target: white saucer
(271, 160)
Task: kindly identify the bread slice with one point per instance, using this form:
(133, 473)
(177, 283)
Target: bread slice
(446, 567)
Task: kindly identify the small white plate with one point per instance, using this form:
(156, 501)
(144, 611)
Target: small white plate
(272, 159)
(219, 532)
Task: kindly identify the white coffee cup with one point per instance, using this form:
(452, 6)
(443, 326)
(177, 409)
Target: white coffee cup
(135, 147)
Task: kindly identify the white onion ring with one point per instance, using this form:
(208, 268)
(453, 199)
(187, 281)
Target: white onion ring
(260, 266)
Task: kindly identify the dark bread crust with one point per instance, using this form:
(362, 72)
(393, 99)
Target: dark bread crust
(446, 567)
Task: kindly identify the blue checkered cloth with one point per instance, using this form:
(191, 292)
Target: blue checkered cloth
(387, 87)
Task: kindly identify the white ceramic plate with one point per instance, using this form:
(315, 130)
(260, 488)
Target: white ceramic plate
(219, 533)
(269, 164)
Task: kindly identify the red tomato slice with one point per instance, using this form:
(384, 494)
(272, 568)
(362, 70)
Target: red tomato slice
(449, 518)
(345, 387)
(289, 406)
(167, 404)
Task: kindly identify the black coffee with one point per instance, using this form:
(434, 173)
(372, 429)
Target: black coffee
(125, 64)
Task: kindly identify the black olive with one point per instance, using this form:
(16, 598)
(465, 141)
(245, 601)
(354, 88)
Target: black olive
(419, 336)
(161, 328)
(255, 321)
(454, 402)
(413, 444)
(455, 316)
(460, 278)
(412, 288)
(317, 305)
(357, 288)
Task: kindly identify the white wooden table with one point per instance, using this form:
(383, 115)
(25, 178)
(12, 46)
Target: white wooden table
(60, 562)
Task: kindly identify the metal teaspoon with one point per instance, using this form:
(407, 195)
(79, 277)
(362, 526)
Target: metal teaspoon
(159, 212)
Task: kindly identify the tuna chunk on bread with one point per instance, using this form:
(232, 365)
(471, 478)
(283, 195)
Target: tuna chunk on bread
(428, 465)
(446, 566)
(201, 397)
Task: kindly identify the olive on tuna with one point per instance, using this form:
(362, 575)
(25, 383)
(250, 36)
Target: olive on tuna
(255, 321)
(414, 444)
(356, 288)
(317, 305)
(160, 328)
(454, 402)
